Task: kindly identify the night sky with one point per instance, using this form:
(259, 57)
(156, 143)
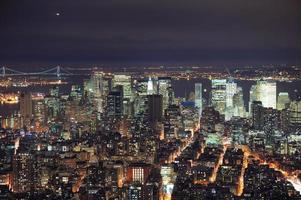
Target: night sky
(147, 32)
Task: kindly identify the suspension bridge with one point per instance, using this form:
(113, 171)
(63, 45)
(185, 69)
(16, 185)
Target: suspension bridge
(55, 71)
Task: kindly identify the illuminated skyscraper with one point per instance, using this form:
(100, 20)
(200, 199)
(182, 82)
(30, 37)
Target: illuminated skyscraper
(115, 102)
(150, 86)
(26, 108)
(267, 93)
(23, 172)
(165, 89)
(39, 113)
(140, 95)
(257, 113)
(198, 97)
(231, 89)
(238, 103)
(218, 95)
(283, 101)
(295, 114)
(97, 89)
(126, 82)
(264, 91)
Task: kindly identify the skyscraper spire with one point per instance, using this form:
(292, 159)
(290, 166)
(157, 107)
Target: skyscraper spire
(150, 86)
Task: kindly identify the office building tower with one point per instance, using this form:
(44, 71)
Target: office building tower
(141, 87)
(238, 104)
(283, 101)
(138, 172)
(165, 89)
(150, 87)
(26, 109)
(140, 99)
(154, 108)
(198, 97)
(172, 122)
(257, 114)
(271, 122)
(218, 95)
(97, 89)
(231, 89)
(39, 108)
(115, 102)
(23, 172)
(126, 82)
(295, 114)
(210, 117)
(264, 91)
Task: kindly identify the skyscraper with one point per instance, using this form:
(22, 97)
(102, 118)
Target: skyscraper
(257, 113)
(198, 97)
(150, 87)
(23, 174)
(295, 114)
(238, 103)
(218, 95)
(283, 101)
(155, 108)
(141, 87)
(26, 109)
(231, 89)
(165, 89)
(264, 91)
(115, 102)
(97, 89)
(126, 82)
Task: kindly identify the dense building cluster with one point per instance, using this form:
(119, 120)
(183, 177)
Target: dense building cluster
(118, 137)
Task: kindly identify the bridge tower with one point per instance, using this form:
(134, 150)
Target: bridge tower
(58, 71)
(3, 71)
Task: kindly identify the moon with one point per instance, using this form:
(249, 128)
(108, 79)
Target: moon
(57, 14)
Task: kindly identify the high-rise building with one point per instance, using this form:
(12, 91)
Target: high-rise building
(198, 97)
(154, 108)
(165, 89)
(39, 108)
(231, 89)
(172, 121)
(135, 192)
(257, 113)
(283, 101)
(219, 94)
(26, 109)
(295, 114)
(138, 172)
(115, 102)
(150, 87)
(271, 122)
(126, 82)
(210, 117)
(23, 174)
(141, 87)
(140, 96)
(264, 91)
(96, 87)
(238, 104)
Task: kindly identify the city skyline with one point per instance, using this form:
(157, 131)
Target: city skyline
(150, 100)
